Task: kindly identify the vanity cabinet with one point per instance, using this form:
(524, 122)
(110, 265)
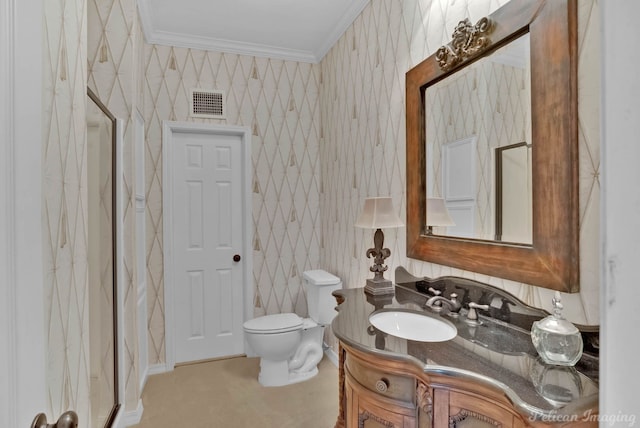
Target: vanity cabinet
(369, 410)
(380, 391)
(376, 398)
(488, 375)
(472, 410)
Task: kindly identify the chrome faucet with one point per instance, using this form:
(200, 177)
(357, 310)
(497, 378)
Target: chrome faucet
(472, 315)
(436, 303)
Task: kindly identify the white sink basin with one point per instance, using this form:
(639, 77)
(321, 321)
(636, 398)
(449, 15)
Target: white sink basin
(413, 326)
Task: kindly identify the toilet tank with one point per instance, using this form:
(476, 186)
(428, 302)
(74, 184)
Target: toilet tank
(319, 285)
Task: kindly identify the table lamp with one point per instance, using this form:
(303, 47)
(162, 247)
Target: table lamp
(378, 213)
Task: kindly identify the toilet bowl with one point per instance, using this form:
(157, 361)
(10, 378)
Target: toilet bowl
(290, 347)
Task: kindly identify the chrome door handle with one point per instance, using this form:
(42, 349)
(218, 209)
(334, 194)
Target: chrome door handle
(66, 420)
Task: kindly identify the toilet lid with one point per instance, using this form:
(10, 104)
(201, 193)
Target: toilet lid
(278, 323)
(320, 277)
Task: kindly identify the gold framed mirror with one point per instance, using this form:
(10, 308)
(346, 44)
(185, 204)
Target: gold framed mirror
(551, 259)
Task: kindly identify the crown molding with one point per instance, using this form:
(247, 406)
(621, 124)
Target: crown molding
(345, 22)
(228, 46)
(314, 56)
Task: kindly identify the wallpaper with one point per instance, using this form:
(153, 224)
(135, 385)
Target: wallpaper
(113, 38)
(279, 101)
(78, 33)
(363, 146)
(64, 214)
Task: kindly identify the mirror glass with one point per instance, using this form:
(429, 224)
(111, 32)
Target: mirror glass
(513, 207)
(101, 268)
(469, 115)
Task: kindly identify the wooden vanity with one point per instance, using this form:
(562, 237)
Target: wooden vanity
(386, 381)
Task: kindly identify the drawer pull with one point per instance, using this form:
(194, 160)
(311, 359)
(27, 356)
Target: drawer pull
(382, 385)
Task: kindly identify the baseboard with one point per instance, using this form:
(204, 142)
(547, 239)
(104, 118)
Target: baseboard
(332, 356)
(328, 351)
(133, 417)
(157, 369)
(248, 351)
(143, 379)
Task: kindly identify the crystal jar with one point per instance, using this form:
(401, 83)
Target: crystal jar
(557, 340)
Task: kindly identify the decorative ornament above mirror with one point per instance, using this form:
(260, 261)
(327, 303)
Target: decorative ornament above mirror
(551, 259)
(468, 41)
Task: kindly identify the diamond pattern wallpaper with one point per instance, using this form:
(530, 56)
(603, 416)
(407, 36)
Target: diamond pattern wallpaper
(279, 101)
(64, 214)
(113, 37)
(325, 136)
(77, 33)
(363, 145)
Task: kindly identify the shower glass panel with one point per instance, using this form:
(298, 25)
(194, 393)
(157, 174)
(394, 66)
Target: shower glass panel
(103, 368)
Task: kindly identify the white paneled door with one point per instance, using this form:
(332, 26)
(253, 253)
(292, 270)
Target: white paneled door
(207, 244)
(459, 185)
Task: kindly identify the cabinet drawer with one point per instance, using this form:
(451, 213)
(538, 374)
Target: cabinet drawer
(471, 410)
(388, 385)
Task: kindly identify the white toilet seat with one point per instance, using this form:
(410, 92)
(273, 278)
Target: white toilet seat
(272, 324)
(289, 346)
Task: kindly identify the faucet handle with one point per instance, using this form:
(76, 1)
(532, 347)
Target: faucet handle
(455, 304)
(472, 316)
(434, 291)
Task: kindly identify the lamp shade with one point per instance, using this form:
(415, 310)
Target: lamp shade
(378, 213)
(437, 213)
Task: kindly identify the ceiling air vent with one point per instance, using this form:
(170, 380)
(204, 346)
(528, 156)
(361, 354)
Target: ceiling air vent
(208, 104)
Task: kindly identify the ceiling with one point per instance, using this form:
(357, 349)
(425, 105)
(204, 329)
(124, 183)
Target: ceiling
(296, 30)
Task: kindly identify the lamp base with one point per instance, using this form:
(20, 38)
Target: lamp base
(379, 287)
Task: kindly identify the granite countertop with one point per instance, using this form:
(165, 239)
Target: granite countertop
(494, 353)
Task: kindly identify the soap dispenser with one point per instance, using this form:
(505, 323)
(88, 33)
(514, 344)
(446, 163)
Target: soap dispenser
(557, 340)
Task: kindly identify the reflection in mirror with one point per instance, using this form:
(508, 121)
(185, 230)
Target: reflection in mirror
(101, 268)
(468, 116)
(514, 194)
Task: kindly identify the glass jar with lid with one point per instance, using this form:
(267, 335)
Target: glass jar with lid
(557, 340)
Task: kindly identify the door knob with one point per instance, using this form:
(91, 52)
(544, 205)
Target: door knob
(237, 258)
(67, 420)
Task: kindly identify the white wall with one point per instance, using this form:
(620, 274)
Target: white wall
(620, 316)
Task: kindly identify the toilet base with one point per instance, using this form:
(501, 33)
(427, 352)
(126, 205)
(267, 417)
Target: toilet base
(276, 373)
(295, 377)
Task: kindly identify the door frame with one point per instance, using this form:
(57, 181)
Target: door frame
(23, 380)
(142, 322)
(168, 129)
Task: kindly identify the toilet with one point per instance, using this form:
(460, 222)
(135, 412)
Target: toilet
(289, 346)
